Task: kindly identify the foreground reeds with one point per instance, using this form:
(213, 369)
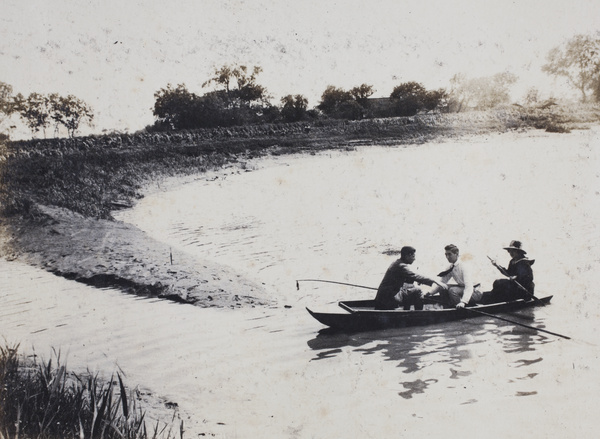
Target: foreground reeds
(43, 400)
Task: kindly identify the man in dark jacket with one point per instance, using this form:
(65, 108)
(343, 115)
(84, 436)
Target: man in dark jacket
(397, 287)
(519, 284)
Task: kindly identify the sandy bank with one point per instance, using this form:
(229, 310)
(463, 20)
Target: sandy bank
(111, 253)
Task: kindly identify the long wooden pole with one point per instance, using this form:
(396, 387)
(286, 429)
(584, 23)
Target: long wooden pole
(506, 320)
(331, 282)
(515, 323)
(521, 287)
(433, 300)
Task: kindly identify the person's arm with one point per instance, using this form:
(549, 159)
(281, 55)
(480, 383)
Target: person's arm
(434, 290)
(524, 274)
(440, 284)
(420, 279)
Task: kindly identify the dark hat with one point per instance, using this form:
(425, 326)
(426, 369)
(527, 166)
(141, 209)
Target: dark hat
(515, 245)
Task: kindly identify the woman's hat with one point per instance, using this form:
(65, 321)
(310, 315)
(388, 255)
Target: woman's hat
(515, 245)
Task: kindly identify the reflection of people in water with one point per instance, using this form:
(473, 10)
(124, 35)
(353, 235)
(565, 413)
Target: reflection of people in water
(519, 284)
(397, 286)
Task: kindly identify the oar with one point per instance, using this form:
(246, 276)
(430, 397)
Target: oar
(521, 287)
(506, 320)
(515, 323)
(437, 301)
(331, 282)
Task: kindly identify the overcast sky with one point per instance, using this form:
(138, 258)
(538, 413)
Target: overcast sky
(115, 54)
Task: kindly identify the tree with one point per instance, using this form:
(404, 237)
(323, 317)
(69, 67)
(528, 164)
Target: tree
(351, 110)
(578, 60)
(7, 106)
(71, 111)
(173, 107)
(55, 112)
(408, 89)
(294, 108)
(6, 100)
(458, 95)
(436, 99)
(35, 111)
(211, 110)
(481, 93)
(532, 96)
(332, 98)
(362, 93)
(239, 83)
(489, 92)
(409, 98)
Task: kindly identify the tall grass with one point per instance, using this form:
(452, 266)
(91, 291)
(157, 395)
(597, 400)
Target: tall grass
(43, 400)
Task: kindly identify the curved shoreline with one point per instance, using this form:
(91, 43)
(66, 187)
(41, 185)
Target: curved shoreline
(104, 252)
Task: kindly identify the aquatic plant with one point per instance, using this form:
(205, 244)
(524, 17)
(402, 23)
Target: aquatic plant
(42, 399)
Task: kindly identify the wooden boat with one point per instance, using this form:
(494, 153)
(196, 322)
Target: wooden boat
(361, 315)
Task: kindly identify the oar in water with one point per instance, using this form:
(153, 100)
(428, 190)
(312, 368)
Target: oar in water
(514, 323)
(506, 320)
(433, 300)
(331, 282)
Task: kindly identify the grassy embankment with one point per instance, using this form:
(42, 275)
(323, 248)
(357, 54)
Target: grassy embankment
(39, 399)
(94, 175)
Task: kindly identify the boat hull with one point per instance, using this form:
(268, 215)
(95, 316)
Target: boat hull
(361, 315)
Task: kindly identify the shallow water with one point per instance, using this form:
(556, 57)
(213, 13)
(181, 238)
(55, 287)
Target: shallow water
(276, 372)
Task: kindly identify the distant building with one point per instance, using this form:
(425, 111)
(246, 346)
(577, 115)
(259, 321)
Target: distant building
(381, 107)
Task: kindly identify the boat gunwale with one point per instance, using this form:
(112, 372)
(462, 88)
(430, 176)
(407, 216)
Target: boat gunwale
(345, 304)
(371, 319)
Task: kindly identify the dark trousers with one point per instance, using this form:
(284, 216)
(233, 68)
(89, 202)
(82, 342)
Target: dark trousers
(503, 290)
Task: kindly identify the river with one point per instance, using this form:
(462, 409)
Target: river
(276, 373)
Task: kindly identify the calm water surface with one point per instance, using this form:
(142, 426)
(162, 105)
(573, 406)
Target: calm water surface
(276, 372)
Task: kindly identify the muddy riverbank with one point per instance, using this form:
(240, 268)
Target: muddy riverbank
(108, 253)
(57, 195)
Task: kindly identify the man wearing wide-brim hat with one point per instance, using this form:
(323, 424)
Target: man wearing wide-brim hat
(519, 284)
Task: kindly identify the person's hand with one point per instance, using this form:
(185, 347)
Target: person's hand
(442, 285)
(460, 305)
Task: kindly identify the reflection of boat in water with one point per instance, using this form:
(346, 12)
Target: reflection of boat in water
(361, 315)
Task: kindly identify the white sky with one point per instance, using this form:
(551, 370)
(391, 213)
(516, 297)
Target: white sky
(115, 54)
